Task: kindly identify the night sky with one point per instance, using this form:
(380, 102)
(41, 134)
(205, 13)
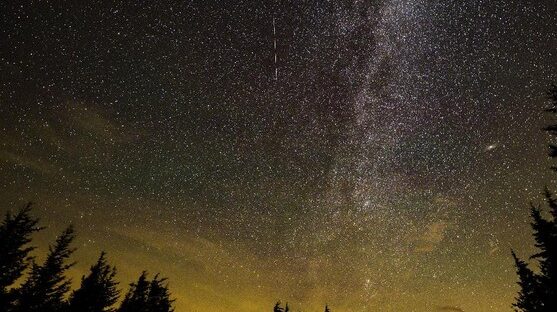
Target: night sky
(384, 162)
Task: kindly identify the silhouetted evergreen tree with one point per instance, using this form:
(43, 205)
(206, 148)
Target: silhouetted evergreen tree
(159, 296)
(277, 308)
(528, 297)
(136, 298)
(552, 129)
(538, 291)
(97, 292)
(545, 233)
(147, 296)
(15, 234)
(327, 308)
(46, 286)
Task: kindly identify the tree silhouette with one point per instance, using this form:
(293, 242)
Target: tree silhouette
(97, 292)
(147, 296)
(327, 308)
(538, 291)
(47, 285)
(545, 233)
(552, 129)
(15, 234)
(277, 307)
(529, 295)
(136, 298)
(159, 296)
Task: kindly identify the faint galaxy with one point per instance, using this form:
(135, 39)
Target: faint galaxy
(384, 162)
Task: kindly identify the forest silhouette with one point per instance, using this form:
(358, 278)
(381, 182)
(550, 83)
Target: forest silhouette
(46, 288)
(538, 281)
(28, 286)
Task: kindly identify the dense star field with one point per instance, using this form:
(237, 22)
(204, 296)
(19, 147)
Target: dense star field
(384, 162)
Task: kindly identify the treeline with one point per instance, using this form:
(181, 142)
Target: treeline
(46, 288)
(538, 287)
(286, 308)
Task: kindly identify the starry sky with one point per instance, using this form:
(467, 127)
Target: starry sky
(384, 162)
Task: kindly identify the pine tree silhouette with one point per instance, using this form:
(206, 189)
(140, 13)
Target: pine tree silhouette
(147, 296)
(538, 291)
(46, 285)
(277, 307)
(552, 129)
(159, 296)
(547, 243)
(98, 291)
(136, 298)
(529, 295)
(15, 234)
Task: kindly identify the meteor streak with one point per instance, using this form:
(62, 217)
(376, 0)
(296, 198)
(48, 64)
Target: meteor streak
(275, 46)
